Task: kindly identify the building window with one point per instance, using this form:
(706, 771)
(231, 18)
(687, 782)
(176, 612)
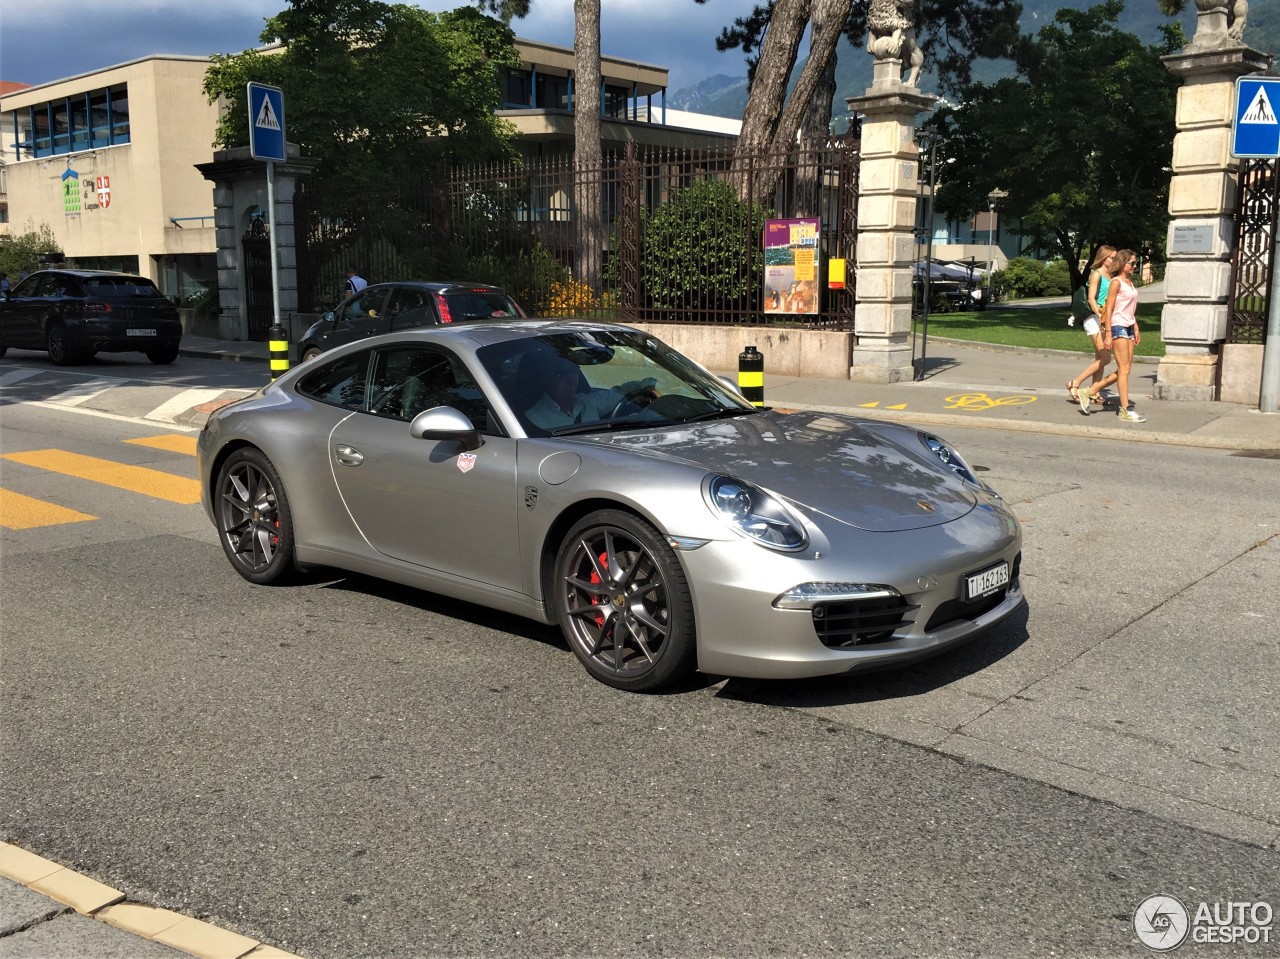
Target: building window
(553, 92)
(515, 94)
(86, 121)
(616, 102)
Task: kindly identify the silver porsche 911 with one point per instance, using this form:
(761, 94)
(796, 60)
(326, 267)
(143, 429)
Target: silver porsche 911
(588, 475)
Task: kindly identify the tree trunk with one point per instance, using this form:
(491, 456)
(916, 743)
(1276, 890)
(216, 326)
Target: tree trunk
(588, 230)
(815, 137)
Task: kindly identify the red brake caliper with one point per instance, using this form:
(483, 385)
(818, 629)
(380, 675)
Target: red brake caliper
(595, 581)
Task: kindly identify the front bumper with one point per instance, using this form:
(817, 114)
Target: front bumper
(742, 633)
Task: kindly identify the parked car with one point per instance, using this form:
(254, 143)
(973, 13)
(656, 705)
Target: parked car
(74, 314)
(669, 526)
(387, 307)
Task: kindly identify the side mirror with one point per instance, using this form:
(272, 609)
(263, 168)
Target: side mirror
(329, 317)
(442, 423)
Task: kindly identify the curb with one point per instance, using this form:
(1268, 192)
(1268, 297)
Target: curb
(95, 900)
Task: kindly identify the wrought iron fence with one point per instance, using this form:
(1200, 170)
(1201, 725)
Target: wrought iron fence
(1251, 263)
(682, 234)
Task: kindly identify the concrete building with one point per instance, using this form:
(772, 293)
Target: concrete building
(107, 160)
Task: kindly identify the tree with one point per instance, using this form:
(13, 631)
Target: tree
(952, 33)
(375, 91)
(1083, 153)
(20, 251)
(587, 160)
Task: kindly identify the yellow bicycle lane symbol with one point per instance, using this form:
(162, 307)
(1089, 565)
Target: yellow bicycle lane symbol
(981, 401)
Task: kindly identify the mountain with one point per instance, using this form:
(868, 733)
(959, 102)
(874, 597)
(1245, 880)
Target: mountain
(726, 96)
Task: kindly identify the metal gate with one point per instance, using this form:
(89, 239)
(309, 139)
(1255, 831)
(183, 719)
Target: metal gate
(256, 245)
(1251, 261)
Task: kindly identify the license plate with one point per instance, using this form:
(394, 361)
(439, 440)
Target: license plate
(140, 332)
(987, 582)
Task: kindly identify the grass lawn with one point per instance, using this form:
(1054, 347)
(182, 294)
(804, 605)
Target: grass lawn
(1044, 328)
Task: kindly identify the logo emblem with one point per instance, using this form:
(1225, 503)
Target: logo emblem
(466, 461)
(1161, 923)
(530, 497)
(925, 505)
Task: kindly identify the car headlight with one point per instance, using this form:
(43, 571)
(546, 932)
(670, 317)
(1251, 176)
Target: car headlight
(948, 457)
(751, 511)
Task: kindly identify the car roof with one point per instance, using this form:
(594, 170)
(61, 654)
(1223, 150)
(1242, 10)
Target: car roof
(90, 274)
(441, 286)
(476, 335)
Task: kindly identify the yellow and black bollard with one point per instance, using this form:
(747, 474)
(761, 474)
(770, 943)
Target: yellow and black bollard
(751, 375)
(278, 344)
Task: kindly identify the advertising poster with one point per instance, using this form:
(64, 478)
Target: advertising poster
(791, 266)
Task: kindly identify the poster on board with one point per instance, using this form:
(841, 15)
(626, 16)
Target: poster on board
(791, 266)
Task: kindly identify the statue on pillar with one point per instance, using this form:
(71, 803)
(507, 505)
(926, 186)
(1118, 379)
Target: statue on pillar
(1220, 23)
(892, 34)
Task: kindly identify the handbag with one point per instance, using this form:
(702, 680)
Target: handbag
(1080, 308)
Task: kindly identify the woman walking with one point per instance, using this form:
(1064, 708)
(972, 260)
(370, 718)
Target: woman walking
(1099, 281)
(1120, 323)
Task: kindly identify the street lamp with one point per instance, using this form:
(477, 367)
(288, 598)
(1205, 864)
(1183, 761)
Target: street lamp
(994, 197)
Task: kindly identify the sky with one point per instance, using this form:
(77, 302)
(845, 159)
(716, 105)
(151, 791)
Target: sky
(44, 40)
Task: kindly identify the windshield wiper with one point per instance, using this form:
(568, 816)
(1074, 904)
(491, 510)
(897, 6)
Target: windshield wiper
(609, 426)
(724, 413)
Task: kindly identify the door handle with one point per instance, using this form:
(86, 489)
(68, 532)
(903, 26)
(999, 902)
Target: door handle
(348, 455)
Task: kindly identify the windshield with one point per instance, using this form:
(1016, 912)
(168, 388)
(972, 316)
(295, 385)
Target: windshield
(594, 380)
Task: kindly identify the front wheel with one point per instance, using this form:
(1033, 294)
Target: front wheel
(253, 517)
(311, 353)
(623, 603)
(162, 356)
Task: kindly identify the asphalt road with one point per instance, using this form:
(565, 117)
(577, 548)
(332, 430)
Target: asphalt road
(349, 768)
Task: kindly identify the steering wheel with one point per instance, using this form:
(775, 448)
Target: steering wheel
(631, 397)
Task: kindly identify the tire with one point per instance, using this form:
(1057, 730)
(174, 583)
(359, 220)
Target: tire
(311, 353)
(162, 356)
(254, 522)
(60, 350)
(623, 603)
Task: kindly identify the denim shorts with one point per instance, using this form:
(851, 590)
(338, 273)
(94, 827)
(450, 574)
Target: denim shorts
(1122, 332)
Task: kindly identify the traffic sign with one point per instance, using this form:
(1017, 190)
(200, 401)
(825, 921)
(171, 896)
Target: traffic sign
(266, 122)
(1256, 130)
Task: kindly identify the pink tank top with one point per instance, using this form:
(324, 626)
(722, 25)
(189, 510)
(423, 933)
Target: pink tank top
(1124, 310)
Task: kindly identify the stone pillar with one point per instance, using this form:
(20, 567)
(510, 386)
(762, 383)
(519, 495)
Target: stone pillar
(1202, 201)
(240, 189)
(887, 195)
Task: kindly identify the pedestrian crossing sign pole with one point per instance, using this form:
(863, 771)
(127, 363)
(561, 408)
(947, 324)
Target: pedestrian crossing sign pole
(267, 142)
(1255, 134)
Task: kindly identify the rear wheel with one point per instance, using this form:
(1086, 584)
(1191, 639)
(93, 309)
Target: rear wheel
(60, 349)
(623, 603)
(162, 356)
(254, 520)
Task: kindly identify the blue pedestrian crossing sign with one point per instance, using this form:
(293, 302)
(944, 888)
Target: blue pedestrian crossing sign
(266, 122)
(1256, 130)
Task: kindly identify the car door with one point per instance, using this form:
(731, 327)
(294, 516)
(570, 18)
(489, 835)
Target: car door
(25, 308)
(430, 503)
(360, 317)
(410, 308)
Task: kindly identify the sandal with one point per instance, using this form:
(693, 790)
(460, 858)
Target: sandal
(1071, 391)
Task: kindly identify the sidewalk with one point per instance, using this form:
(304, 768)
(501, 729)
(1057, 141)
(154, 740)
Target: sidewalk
(971, 384)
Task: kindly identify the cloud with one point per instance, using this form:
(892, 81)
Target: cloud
(37, 45)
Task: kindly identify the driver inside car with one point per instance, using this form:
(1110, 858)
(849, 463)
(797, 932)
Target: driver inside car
(562, 404)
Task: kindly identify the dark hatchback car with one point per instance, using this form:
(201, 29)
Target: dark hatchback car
(74, 314)
(387, 307)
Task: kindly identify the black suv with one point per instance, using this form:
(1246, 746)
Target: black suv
(386, 307)
(76, 313)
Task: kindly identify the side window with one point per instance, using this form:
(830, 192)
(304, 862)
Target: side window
(45, 286)
(340, 383)
(364, 313)
(410, 380)
(410, 308)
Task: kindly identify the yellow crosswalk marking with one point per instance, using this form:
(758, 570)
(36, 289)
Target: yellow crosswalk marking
(136, 479)
(170, 442)
(23, 512)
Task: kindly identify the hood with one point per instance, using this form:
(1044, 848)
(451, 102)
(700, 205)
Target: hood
(823, 463)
